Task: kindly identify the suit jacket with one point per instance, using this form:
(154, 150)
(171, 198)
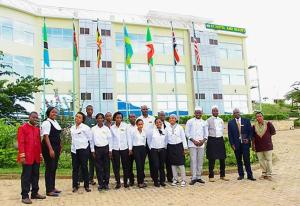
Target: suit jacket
(233, 132)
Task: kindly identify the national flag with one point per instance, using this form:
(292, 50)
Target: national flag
(75, 45)
(128, 48)
(196, 48)
(99, 46)
(45, 40)
(150, 47)
(175, 51)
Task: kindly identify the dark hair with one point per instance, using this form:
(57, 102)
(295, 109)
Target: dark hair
(88, 106)
(116, 114)
(259, 112)
(100, 114)
(33, 112)
(138, 120)
(83, 116)
(159, 130)
(49, 110)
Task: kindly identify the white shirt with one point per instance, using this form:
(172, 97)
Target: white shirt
(119, 136)
(137, 138)
(148, 124)
(175, 135)
(167, 123)
(46, 126)
(158, 141)
(196, 129)
(81, 136)
(219, 125)
(102, 136)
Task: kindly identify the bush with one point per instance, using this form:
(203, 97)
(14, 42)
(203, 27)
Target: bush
(8, 157)
(7, 135)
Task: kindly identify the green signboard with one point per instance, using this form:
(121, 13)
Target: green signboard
(225, 28)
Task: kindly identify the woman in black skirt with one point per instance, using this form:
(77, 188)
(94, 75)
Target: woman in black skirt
(51, 149)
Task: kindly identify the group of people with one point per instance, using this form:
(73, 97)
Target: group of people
(98, 140)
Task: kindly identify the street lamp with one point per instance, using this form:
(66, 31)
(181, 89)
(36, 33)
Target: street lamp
(258, 85)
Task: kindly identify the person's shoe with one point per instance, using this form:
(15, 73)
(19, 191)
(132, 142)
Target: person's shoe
(87, 189)
(100, 188)
(193, 182)
(269, 178)
(38, 197)
(251, 178)
(163, 184)
(240, 178)
(52, 194)
(212, 179)
(224, 178)
(263, 177)
(106, 187)
(92, 182)
(57, 191)
(200, 181)
(26, 201)
(174, 183)
(118, 186)
(126, 185)
(75, 189)
(156, 184)
(131, 183)
(183, 183)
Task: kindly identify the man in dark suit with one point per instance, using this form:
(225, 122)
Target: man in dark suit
(240, 135)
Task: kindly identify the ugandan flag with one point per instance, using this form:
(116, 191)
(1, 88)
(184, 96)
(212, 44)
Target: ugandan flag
(150, 47)
(99, 46)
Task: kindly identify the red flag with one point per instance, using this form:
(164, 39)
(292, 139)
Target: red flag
(197, 53)
(175, 51)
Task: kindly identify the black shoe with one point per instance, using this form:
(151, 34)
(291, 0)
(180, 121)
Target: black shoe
(251, 178)
(38, 197)
(131, 184)
(75, 189)
(200, 181)
(92, 182)
(52, 194)
(57, 191)
(100, 188)
(163, 184)
(126, 185)
(156, 184)
(240, 178)
(193, 182)
(87, 189)
(118, 186)
(106, 187)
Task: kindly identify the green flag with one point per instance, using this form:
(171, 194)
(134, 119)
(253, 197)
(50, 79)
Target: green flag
(150, 47)
(128, 48)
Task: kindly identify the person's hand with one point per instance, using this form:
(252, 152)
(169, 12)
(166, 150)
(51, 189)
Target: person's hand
(233, 147)
(110, 154)
(201, 142)
(245, 141)
(130, 152)
(52, 153)
(195, 142)
(22, 160)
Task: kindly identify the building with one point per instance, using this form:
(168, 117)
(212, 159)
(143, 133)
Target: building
(221, 78)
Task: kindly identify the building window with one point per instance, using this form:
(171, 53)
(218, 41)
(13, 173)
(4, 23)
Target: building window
(86, 96)
(215, 69)
(231, 51)
(200, 96)
(19, 64)
(60, 37)
(167, 103)
(213, 42)
(140, 72)
(233, 76)
(106, 64)
(199, 67)
(105, 32)
(134, 103)
(235, 101)
(217, 96)
(84, 30)
(165, 74)
(197, 38)
(107, 96)
(85, 63)
(59, 71)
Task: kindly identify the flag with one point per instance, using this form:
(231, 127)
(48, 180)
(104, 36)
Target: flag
(176, 56)
(128, 48)
(99, 46)
(196, 48)
(150, 47)
(46, 52)
(75, 46)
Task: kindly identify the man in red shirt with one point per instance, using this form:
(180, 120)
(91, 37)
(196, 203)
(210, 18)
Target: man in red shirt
(29, 146)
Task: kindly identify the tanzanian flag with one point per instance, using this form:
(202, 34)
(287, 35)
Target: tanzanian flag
(46, 52)
(128, 48)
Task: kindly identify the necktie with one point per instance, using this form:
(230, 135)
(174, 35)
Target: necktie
(239, 127)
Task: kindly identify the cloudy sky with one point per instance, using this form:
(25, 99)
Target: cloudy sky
(273, 30)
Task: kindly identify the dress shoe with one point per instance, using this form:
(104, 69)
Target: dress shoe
(26, 201)
(126, 185)
(200, 181)
(106, 187)
(87, 189)
(240, 178)
(75, 189)
(269, 178)
(52, 194)
(118, 186)
(224, 178)
(262, 177)
(212, 179)
(156, 184)
(131, 184)
(163, 184)
(193, 182)
(57, 191)
(38, 197)
(251, 178)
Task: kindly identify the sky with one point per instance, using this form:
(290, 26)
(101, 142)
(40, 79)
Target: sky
(272, 27)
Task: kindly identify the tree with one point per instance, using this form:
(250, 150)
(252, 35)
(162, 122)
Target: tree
(13, 93)
(294, 96)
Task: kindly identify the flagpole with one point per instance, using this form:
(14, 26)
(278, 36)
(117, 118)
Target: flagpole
(44, 81)
(175, 78)
(196, 64)
(73, 75)
(99, 74)
(125, 72)
(151, 82)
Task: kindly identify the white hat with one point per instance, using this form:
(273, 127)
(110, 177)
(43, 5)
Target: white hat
(174, 115)
(198, 108)
(214, 107)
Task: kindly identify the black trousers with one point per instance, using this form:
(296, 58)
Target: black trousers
(131, 174)
(243, 152)
(158, 159)
(122, 155)
(91, 167)
(211, 165)
(169, 169)
(50, 167)
(30, 176)
(139, 153)
(148, 154)
(102, 165)
(79, 160)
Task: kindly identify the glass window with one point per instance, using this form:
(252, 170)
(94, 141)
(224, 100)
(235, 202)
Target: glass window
(59, 71)
(19, 64)
(60, 38)
(165, 74)
(236, 101)
(134, 103)
(231, 51)
(140, 72)
(63, 102)
(167, 103)
(233, 76)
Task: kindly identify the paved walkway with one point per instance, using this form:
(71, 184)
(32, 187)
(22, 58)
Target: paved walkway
(283, 190)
